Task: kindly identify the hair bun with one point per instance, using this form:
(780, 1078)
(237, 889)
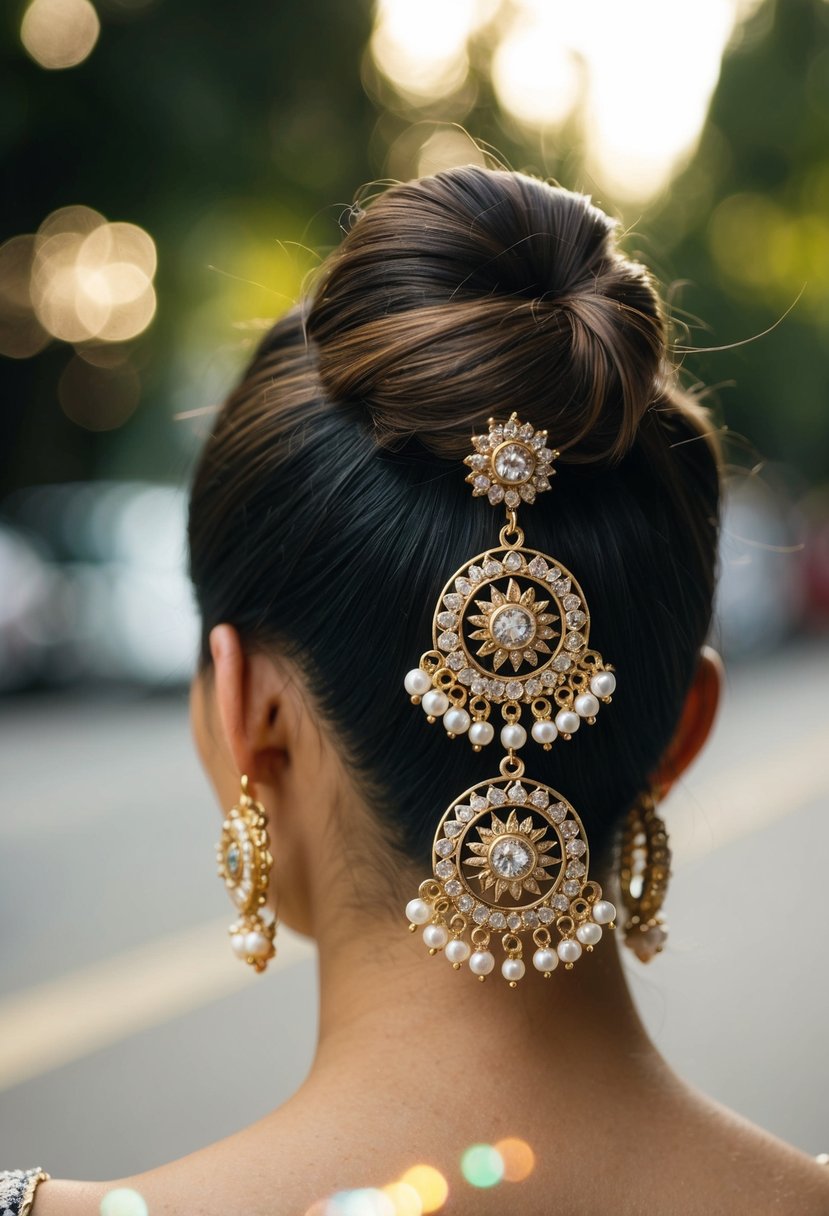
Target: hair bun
(476, 292)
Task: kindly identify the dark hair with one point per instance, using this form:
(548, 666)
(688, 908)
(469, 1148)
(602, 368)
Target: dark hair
(329, 506)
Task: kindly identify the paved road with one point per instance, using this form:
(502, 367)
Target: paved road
(125, 1025)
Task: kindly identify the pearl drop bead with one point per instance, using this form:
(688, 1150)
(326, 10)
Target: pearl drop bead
(513, 735)
(457, 951)
(545, 960)
(603, 912)
(512, 969)
(417, 682)
(418, 911)
(435, 936)
(587, 706)
(237, 945)
(435, 703)
(481, 962)
(567, 721)
(257, 945)
(456, 721)
(544, 732)
(588, 933)
(603, 684)
(568, 950)
(481, 733)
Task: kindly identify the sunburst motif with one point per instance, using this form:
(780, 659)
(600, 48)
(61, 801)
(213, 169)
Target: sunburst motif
(512, 856)
(513, 625)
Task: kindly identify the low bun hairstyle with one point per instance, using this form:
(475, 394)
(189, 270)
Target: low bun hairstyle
(333, 479)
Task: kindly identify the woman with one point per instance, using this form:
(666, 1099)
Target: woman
(330, 508)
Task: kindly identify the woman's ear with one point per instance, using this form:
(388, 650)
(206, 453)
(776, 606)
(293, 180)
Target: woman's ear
(696, 722)
(249, 699)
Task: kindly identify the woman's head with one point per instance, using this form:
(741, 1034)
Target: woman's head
(329, 506)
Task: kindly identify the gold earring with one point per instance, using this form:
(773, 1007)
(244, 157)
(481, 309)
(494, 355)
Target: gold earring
(245, 864)
(510, 634)
(645, 871)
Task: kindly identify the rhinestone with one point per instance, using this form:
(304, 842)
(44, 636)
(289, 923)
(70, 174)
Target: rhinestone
(456, 660)
(447, 620)
(510, 858)
(571, 887)
(453, 601)
(514, 462)
(514, 921)
(539, 798)
(512, 498)
(548, 678)
(512, 561)
(496, 688)
(481, 482)
(475, 573)
(514, 689)
(511, 427)
(576, 619)
(545, 454)
(562, 662)
(576, 848)
(561, 902)
(233, 860)
(496, 796)
(531, 919)
(559, 812)
(513, 626)
(538, 567)
(444, 847)
(481, 914)
(478, 686)
(553, 574)
(517, 793)
(464, 813)
(571, 603)
(574, 641)
(526, 430)
(478, 461)
(542, 482)
(478, 803)
(452, 828)
(447, 640)
(465, 903)
(532, 688)
(463, 585)
(491, 568)
(453, 887)
(495, 494)
(537, 441)
(445, 869)
(569, 829)
(527, 493)
(576, 869)
(481, 442)
(561, 586)
(497, 434)
(546, 915)
(498, 920)
(466, 675)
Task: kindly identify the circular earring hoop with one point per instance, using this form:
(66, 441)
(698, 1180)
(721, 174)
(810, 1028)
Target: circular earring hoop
(245, 864)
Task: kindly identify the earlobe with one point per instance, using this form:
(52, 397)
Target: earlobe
(696, 721)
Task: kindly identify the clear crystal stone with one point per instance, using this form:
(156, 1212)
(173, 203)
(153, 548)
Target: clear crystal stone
(512, 561)
(514, 921)
(538, 567)
(526, 430)
(545, 454)
(553, 574)
(576, 619)
(539, 798)
(444, 847)
(478, 803)
(537, 441)
(478, 686)
(527, 493)
(233, 860)
(532, 688)
(511, 427)
(452, 828)
(445, 869)
(561, 903)
(496, 688)
(576, 869)
(491, 568)
(571, 887)
(447, 640)
(569, 829)
(514, 689)
(453, 601)
(548, 678)
(512, 498)
(481, 914)
(571, 603)
(574, 641)
(561, 586)
(559, 812)
(511, 858)
(482, 442)
(466, 675)
(463, 585)
(496, 796)
(464, 813)
(498, 920)
(562, 662)
(481, 482)
(465, 903)
(531, 918)
(478, 461)
(516, 793)
(546, 915)
(475, 573)
(453, 887)
(576, 848)
(514, 462)
(513, 626)
(447, 620)
(495, 493)
(456, 660)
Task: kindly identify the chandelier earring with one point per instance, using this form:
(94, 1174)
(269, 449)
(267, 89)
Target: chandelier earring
(245, 864)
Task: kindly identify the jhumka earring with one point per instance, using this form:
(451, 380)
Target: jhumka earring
(510, 630)
(645, 870)
(245, 865)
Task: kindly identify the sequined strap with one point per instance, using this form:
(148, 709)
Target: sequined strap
(17, 1190)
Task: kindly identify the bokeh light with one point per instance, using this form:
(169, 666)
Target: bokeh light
(123, 1201)
(405, 1199)
(364, 1201)
(429, 1184)
(517, 1157)
(59, 33)
(482, 1165)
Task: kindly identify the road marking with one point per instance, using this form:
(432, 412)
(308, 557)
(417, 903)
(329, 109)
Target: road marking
(56, 1023)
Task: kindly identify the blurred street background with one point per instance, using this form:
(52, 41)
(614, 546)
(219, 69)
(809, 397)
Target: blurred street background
(172, 175)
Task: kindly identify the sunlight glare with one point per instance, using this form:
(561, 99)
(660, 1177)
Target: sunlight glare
(59, 33)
